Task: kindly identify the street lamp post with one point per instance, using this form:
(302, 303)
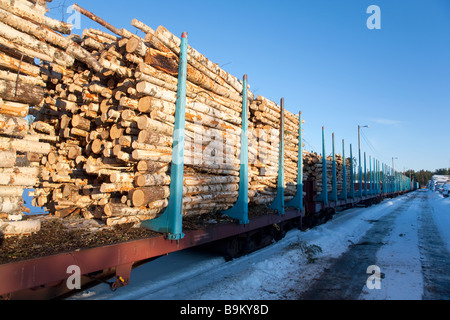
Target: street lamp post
(393, 162)
(394, 175)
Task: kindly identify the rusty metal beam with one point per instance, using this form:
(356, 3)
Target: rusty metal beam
(38, 272)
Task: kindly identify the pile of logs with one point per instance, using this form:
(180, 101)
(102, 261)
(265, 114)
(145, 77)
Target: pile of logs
(114, 127)
(105, 103)
(265, 148)
(21, 87)
(313, 170)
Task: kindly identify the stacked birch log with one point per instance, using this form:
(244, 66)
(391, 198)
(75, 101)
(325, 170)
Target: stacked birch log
(21, 88)
(115, 128)
(313, 165)
(264, 150)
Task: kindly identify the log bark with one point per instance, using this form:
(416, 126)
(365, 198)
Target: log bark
(14, 109)
(143, 196)
(100, 21)
(146, 180)
(150, 166)
(10, 76)
(17, 8)
(23, 145)
(150, 137)
(148, 124)
(81, 123)
(7, 158)
(13, 126)
(18, 179)
(19, 38)
(18, 65)
(127, 213)
(9, 191)
(21, 92)
(11, 204)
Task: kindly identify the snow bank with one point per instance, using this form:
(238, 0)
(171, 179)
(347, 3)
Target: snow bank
(440, 207)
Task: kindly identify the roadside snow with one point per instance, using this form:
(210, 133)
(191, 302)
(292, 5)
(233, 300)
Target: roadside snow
(441, 214)
(399, 262)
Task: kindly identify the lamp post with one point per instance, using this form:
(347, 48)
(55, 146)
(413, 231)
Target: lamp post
(360, 165)
(393, 162)
(394, 182)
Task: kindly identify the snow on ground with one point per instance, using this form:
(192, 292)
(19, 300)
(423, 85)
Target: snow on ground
(285, 269)
(441, 214)
(399, 261)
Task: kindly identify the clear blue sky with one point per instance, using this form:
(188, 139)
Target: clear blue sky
(321, 57)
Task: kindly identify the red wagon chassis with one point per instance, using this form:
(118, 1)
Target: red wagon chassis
(36, 275)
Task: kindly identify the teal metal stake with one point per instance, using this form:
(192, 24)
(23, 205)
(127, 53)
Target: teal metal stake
(375, 186)
(360, 192)
(397, 180)
(377, 178)
(388, 179)
(370, 175)
(343, 195)
(380, 178)
(391, 182)
(352, 175)
(373, 178)
(365, 176)
(392, 179)
(333, 195)
(278, 203)
(171, 221)
(323, 197)
(297, 201)
(240, 210)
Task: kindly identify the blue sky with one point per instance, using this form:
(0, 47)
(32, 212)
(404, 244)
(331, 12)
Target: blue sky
(321, 57)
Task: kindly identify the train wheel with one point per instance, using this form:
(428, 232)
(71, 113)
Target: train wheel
(280, 231)
(230, 248)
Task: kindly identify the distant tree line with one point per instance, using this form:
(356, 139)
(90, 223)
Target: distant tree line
(423, 176)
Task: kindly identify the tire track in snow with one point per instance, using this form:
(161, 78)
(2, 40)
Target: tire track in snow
(436, 258)
(346, 276)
